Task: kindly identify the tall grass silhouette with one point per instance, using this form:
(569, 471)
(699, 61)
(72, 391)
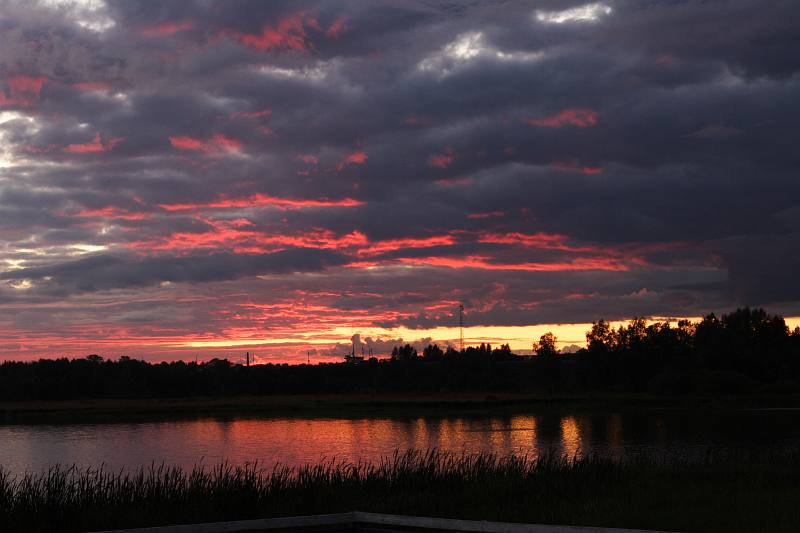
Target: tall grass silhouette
(718, 491)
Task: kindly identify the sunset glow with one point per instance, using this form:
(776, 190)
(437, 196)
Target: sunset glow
(198, 179)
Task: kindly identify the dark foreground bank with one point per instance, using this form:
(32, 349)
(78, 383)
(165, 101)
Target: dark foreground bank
(724, 491)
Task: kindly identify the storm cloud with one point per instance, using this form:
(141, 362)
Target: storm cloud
(247, 169)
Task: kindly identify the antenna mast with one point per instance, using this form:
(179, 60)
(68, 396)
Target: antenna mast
(461, 325)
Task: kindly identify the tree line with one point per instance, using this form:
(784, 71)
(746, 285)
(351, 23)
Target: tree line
(747, 351)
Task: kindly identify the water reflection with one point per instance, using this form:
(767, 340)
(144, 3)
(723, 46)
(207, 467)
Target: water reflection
(570, 436)
(299, 441)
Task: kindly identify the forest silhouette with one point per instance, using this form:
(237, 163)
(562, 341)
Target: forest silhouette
(745, 352)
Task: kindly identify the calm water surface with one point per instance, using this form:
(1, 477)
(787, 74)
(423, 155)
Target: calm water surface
(296, 441)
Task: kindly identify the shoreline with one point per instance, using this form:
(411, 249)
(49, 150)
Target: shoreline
(361, 406)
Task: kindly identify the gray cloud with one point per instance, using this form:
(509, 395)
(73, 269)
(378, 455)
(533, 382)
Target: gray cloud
(659, 138)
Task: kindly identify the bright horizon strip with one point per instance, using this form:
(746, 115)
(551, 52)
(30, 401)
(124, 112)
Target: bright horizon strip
(518, 337)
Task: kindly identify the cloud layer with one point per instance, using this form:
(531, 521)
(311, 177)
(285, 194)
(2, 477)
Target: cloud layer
(295, 171)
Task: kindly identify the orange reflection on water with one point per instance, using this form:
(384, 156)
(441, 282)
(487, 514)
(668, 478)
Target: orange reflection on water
(522, 437)
(570, 436)
(297, 441)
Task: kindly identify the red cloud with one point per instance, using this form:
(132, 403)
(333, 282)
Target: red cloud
(574, 167)
(250, 114)
(187, 143)
(227, 143)
(6, 101)
(338, 28)
(399, 244)
(241, 236)
(91, 86)
(216, 143)
(441, 160)
(94, 146)
(260, 200)
(480, 262)
(452, 182)
(26, 84)
(356, 158)
(546, 241)
(111, 212)
(289, 34)
(168, 28)
(490, 214)
(583, 118)
(23, 90)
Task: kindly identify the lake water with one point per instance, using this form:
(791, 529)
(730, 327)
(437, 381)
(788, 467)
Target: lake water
(296, 441)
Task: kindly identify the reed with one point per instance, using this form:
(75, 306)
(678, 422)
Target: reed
(718, 491)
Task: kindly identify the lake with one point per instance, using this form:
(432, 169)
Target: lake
(296, 441)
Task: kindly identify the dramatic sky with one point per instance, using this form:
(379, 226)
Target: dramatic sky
(181, 178)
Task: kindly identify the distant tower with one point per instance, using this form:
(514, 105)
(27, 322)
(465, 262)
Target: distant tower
(248, 358)
(352, 357)
(461, 325)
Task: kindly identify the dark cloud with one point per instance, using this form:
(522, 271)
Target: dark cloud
(102, 271)
(379, 162)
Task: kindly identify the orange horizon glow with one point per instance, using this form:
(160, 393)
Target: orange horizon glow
(293, 346)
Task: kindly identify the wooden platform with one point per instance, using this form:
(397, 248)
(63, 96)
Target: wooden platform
(359, 522)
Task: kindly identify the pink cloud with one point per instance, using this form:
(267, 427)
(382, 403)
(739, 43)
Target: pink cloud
(441, 160)
(260, 200)
(23, 90)
(215, 143)
(308, 159)
(264, 113)
(113, 213)
(483, 263)
(490, 214)
(165, 29)
(226, 143)
(26, 84)
(242, 236)
(183, 142)
(94, 146)
(453, 182)
(338, 28)
(355, 158)
(91, 86)
(289, 34)
(574, 167)
(580, 117)
(6, 101)
(400, 244)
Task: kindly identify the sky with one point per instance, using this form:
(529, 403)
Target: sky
(197, 179)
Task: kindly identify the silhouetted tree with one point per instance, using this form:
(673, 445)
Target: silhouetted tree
(432, 352)
(404, 353)
(600, 338)
(546, 347)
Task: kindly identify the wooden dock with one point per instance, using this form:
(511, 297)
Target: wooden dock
(360, 522)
